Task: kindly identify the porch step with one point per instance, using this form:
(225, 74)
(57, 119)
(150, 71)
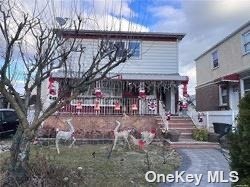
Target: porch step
(182, 130)
(180, 118)
(189, 143)
(186, 136)
(177, 122)
(173, 126)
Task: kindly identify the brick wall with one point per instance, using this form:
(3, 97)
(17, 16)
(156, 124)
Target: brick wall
(207, 98)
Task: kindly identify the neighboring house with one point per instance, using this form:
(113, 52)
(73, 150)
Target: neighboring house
(223, 72)
(151, 75)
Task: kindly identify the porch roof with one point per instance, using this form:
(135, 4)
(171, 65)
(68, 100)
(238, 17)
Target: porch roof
(130, 76)
(146, 77)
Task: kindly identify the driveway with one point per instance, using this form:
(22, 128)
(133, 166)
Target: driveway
(200, 161)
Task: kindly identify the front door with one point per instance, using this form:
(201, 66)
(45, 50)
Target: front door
(234, 98)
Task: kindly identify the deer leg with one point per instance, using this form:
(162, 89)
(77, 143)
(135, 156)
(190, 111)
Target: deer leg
(57, 147)
(114, 143)
(72, 142)
(128, 143)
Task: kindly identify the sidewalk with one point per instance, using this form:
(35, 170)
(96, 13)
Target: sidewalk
(200, 161)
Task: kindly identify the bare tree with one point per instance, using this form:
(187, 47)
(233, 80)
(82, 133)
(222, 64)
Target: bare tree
(42, 50)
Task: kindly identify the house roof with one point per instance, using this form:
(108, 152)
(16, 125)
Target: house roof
(223, 40)
(131, 76)
(97, 34)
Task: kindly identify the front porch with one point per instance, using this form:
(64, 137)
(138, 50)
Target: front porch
(132, 94)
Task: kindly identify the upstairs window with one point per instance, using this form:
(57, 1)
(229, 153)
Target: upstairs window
(135, 48)
(215, 61)
(246, 42)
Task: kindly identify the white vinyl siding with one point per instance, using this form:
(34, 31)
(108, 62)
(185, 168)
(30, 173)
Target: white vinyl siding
(156, 57)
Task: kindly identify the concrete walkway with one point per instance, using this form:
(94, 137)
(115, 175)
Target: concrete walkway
(200, 161)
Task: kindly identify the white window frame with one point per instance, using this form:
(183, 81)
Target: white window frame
(221, 94)
(245, 43)
(246, 90)
(213, 60)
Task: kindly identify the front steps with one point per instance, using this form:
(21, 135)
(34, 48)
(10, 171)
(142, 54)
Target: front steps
(185, 126)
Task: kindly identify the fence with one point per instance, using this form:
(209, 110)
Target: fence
(207, 118)
(111, 106)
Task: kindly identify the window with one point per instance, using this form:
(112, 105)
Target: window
(224, 96)
(118, 46)
(247, 86)
(246, 42)
(215, 59)
(135, 48)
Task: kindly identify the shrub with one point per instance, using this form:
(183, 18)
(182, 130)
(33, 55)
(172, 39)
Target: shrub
(200, 134)
(240, 141)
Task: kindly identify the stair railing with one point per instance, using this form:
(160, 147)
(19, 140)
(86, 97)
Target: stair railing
(163, 116)
(194, 115)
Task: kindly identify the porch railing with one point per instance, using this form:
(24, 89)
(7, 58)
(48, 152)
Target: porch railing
(110, 106)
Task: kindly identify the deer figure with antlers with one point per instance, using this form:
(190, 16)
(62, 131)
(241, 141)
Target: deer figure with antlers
(65, 135)
(120, 134)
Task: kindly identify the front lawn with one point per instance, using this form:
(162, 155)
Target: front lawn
(88, 165)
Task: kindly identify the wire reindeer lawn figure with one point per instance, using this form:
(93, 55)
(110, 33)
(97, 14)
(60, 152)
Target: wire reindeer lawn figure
(121, 134)
(65, 135)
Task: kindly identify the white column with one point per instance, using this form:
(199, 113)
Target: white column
(242, 92)
(208, 125)
(172, 100)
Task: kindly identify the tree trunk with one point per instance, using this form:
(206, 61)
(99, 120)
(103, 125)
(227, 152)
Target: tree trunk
(19, 157)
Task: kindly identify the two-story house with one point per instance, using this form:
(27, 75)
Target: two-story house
(223, 72)
(137, 86)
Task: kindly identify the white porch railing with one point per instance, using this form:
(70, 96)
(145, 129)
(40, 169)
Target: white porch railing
(210, 117)
(110, 106)
(162, 113)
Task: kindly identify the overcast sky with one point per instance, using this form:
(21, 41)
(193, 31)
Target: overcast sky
(205, 22)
